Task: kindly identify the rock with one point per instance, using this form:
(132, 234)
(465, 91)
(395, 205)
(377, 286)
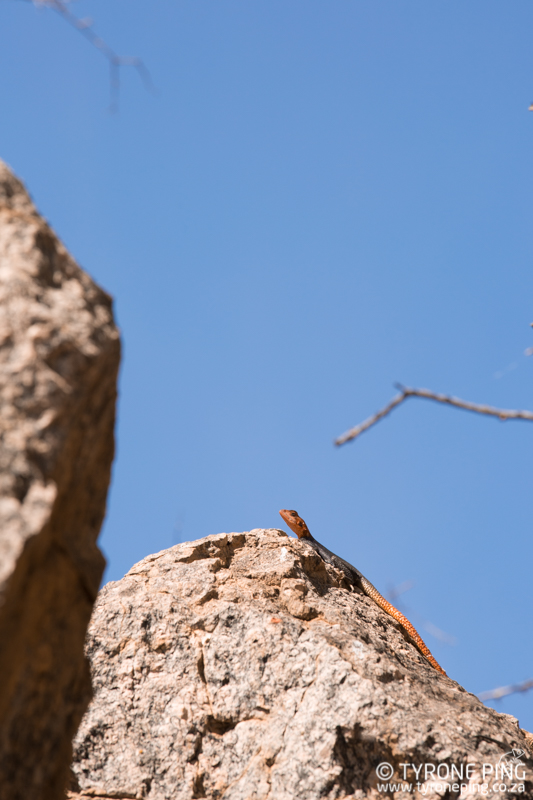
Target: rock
(242, 666)
(59, 354)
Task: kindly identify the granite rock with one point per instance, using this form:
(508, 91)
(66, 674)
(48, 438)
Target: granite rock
(241, 666)
(59, 355)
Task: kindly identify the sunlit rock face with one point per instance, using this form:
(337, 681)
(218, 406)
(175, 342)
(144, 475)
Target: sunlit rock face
(242, 666)
(59, 355)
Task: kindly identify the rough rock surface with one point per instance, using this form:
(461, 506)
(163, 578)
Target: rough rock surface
(241, 666)
(59, 354)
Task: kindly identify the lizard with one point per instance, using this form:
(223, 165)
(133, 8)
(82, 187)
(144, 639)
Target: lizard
(298, 526)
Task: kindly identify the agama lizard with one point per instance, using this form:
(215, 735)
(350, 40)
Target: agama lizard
(298, 526)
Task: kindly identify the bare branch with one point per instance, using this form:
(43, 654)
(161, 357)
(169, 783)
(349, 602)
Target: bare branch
(529, 351)
(406, 392)
(394, 593)
(84, 26)
(438, 633)
(503, 691)
(353, 433)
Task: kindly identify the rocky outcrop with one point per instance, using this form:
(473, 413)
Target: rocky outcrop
(59, 354)
(242, 666)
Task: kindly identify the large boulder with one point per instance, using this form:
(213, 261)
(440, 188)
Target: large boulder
(242, 666)
(59, 355)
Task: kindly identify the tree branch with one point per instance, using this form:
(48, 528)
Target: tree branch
(84, 26)
(406, 392)
(394, 593)
(503, 691)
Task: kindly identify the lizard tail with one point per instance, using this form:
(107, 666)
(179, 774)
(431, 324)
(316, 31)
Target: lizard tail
(373, 593)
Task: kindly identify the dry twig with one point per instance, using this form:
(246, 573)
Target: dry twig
(406, 392)
(394, 593)
(529, 351)
(84, 26)
(503, 691)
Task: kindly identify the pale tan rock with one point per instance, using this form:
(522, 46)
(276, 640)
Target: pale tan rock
(241, 666)
(59, 354)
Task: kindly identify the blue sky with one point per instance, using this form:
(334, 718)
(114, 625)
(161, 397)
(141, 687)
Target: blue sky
(321, 199)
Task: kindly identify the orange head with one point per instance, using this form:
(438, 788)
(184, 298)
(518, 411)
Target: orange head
(295, 523)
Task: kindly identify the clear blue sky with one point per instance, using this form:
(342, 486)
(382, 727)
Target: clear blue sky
(322, 198)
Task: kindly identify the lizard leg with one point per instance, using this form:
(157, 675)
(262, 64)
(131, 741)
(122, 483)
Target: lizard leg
(373, 593)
